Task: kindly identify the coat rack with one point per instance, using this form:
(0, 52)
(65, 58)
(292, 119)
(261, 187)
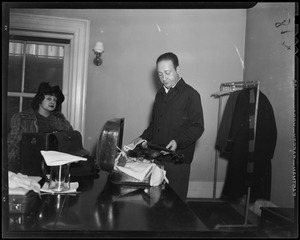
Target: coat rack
(226, 89)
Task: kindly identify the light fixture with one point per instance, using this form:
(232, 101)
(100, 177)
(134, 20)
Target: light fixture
(98, 50)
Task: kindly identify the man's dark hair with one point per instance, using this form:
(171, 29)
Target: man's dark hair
(168, 56)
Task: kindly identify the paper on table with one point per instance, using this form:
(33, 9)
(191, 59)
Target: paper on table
(73, 188)
(55, 158)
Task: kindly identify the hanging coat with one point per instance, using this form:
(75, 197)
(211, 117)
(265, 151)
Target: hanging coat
(238, 177)
(222, 143)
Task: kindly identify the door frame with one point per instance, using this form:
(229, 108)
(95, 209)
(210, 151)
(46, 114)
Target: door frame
(78, 32)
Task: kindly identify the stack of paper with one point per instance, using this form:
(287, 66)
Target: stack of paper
(55, 158)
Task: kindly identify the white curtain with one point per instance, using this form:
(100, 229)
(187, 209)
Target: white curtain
(39, 50)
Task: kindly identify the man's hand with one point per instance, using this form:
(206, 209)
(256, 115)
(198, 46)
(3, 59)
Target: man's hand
(172, 146)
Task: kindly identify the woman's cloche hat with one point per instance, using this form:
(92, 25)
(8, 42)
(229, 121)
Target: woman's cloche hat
(45, 88)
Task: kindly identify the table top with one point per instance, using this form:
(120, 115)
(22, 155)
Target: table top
(102, 208)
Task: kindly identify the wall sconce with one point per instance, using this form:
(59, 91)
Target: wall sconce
(98, 50)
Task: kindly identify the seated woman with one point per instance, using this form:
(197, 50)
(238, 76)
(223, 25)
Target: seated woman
(43, 117)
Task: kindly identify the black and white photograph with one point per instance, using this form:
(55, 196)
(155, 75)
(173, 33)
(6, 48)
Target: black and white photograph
(149, 120)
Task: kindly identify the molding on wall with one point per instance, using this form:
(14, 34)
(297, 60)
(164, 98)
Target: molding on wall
(78, 32)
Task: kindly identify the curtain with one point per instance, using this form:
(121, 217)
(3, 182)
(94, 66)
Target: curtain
(39, 50)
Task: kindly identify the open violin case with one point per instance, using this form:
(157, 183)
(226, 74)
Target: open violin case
(109, 146)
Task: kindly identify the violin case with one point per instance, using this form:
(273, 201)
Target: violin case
(109, 146)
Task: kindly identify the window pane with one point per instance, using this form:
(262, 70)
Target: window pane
(26, 103)
(43, 63)
(39, 70)
(15, 66)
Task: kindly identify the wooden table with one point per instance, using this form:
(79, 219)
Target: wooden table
(104, 209)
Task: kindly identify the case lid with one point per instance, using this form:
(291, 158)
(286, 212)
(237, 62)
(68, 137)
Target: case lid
(110, 138)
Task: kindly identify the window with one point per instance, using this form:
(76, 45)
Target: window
(76, 32)
(31, 63)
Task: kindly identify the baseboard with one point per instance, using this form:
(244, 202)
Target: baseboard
(204, 189)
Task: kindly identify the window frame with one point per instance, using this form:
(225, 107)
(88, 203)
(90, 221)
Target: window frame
(75, 78)
(21, 94)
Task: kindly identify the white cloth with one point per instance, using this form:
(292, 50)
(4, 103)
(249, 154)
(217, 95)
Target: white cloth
(142, 171)
(55, 158)
(20, 184)
(158, 175)
(138, 170)
(132, 146)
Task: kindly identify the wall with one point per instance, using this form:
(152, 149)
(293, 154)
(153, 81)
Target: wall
(210, 47)
(268, 60)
